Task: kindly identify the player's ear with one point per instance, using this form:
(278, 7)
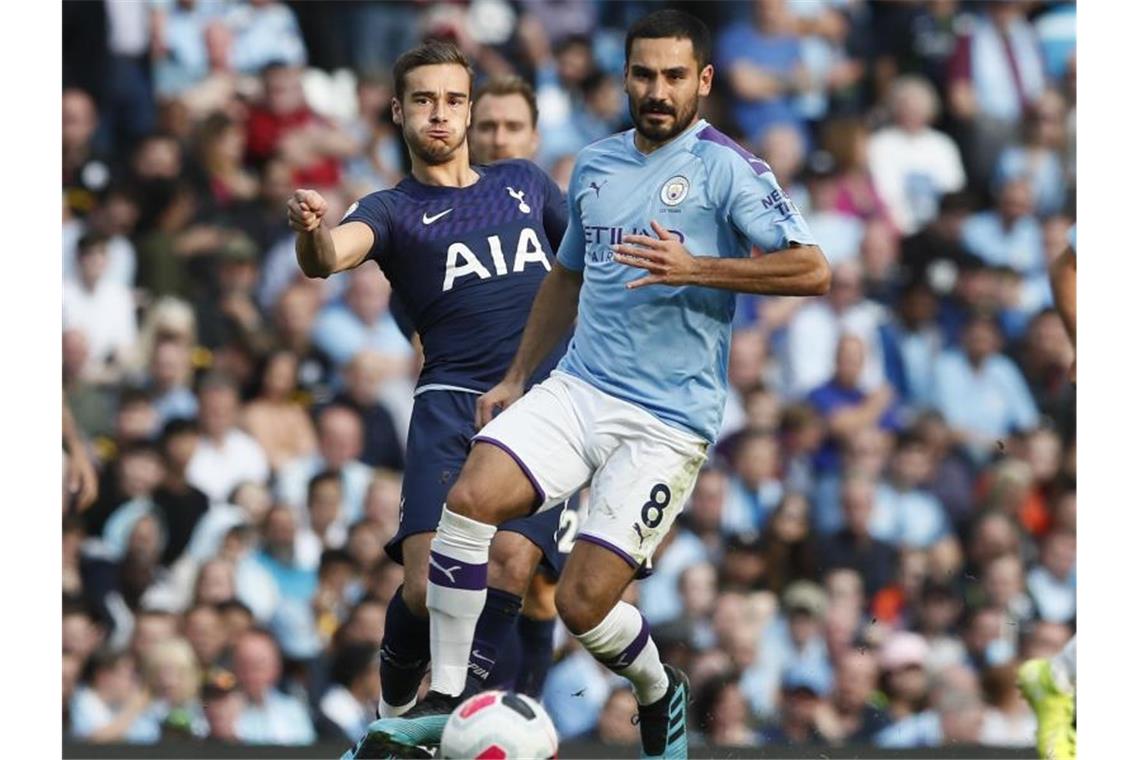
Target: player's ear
(397, 113)
(705, 81)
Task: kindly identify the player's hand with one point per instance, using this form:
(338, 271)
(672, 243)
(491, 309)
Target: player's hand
(496, 400)
(664, 257)
(82, 482)
(306, 209)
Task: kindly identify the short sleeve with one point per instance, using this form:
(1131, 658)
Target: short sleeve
(554, 212)
(373, 211)
(755, 203)
(572, 249)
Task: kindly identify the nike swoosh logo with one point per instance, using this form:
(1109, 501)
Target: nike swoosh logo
(430, 219)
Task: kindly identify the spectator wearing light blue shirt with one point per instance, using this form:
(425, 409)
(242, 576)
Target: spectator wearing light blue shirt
(265, 31)
(1038, 157)
(764, 63)
(754, 488)
(980, 392)
(1011, 236)
(1053, 583)
(269, 716)
(361, 321)
(906, 515)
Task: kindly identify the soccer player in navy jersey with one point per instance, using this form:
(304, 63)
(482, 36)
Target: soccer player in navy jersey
(465, 248)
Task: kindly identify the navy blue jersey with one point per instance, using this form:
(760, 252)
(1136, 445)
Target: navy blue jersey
(466, 263)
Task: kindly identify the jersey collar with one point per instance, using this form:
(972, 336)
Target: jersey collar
(675, 145)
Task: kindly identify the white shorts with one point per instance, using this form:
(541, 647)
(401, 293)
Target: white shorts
(565, 433)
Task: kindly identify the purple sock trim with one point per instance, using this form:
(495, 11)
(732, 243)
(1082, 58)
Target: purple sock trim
(630, 653)
(540, 494)
(455, 573)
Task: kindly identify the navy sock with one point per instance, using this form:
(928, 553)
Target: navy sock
(495, 651)
(537, 647)
(405, 652)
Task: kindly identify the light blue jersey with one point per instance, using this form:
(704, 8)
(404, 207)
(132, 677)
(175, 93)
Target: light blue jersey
(660, 347)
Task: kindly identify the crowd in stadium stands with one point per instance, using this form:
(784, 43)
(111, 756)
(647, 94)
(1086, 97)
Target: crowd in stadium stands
(887, 527)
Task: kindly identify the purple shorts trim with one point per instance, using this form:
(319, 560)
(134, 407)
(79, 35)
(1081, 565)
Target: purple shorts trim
(540, 494)
(607, 545)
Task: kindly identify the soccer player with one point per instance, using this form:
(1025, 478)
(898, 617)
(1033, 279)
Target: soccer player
(1050, 686)
(662, 221)
(504, 125)
(465, 249)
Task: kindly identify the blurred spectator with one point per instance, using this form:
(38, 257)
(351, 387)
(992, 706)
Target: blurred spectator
(839, 233)
(980, 392)
(361, 322)
(1038, 158)
(86, 172)
(202, 627)
(906, 514)
(995, 74)
(364, 377)
(179, 44)
(789, 548)
(815, 330)
(265, 32)
(279, 424)
(846, 408)
(91, 404)
(803, 689)
(1052, 584)
(913, 38)
(763, 60)
(1008, 721)
(294, 317)
(325, 526)
(283, 122)
(911, 163)
(222, 705)
(225, 456)
(847, 141)
(269, 716)
(854, 546)
(114, 218)
(171, 374)
(172, 675)
(102, 309)
(721, 713)
(850, 716)
(220, 147)
(110, 704)
(339, 444)
(349, 704)
(379, 165)
(615, 723)
(754, 488)
(1011, 237)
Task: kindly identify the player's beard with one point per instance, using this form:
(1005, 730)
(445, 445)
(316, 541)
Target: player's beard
(432, 151)
(659, 133)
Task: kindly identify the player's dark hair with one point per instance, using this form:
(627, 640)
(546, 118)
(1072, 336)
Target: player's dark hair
(509, 84)
(431, 53)
(676, 24)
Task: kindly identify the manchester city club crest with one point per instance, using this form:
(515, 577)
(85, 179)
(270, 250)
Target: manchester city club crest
(674, 190)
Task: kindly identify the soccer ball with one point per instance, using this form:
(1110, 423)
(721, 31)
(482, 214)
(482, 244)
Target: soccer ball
(499, 725)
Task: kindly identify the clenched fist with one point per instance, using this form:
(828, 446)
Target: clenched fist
(306, 209)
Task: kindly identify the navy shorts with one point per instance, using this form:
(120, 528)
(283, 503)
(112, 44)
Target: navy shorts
(439, 439)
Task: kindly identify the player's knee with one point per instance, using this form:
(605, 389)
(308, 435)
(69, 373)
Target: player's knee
(577, 610)
(470, 500)
(512, 562)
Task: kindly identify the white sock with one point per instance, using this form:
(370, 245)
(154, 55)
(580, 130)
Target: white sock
(394, 711)
(1064, 665)
(456, 593)
(622, 643)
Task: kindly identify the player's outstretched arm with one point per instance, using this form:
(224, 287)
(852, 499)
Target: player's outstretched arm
(800, 270)
(554, 310)
(321, 251)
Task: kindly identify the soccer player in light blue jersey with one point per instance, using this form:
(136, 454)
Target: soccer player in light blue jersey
(663, 220)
